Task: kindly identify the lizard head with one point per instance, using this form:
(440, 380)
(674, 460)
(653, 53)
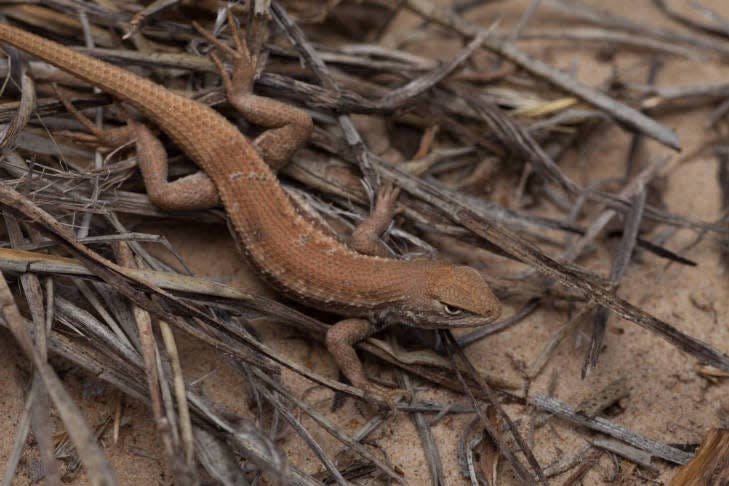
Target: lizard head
(450, 296)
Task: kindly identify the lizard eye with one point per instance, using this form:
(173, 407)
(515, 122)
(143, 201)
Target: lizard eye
(450, 310)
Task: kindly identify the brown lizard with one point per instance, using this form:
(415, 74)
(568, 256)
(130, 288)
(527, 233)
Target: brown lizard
(287, 249)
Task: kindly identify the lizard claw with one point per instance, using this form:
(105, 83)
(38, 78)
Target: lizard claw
(107, 138)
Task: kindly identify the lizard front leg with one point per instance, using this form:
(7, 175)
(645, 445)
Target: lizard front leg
(288, 127)
(340, 341)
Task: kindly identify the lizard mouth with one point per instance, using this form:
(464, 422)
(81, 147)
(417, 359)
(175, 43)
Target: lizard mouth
(467, 321)
(439, 322)
(434, 320)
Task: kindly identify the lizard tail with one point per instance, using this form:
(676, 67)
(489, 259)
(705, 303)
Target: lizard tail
(166, 109)
(116, 81)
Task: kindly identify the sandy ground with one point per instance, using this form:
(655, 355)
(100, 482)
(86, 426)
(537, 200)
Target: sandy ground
(668, 400)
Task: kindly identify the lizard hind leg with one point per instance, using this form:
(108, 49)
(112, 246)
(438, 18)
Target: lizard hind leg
(288, 127)
(195, 191)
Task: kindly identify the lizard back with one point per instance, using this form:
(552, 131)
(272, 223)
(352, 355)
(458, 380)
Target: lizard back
(284, 247)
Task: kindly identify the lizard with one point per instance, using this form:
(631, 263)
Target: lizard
(288, 250)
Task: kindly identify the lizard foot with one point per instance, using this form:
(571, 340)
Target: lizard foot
(389, 396)
(386, 201)
(244, 62)
(366, 236)
(99, 137)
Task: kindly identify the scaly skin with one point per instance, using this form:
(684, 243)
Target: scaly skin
(292, 254)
